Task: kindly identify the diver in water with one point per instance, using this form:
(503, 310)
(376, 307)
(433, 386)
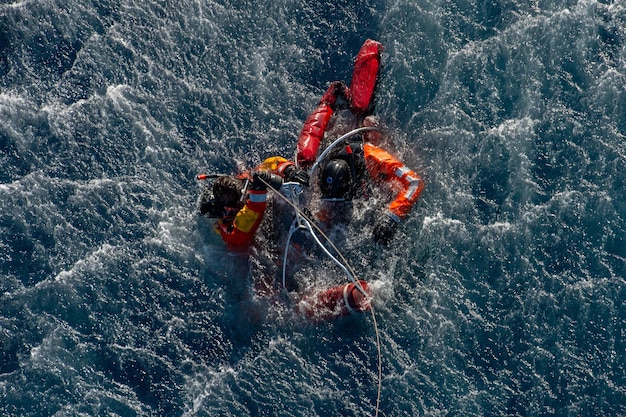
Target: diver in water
(346, 174)
(347, 171)
(238, 202)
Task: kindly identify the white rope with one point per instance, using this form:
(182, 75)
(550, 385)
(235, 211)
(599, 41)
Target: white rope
(335, 143)
(347, 267)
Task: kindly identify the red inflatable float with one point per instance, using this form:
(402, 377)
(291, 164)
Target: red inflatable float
(364, 76)
(315, 126)
(335, 302)
(359, 95)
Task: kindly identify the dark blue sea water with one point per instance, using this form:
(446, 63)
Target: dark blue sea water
(502, 295)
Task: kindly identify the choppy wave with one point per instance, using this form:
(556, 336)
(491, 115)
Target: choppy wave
(503, 293)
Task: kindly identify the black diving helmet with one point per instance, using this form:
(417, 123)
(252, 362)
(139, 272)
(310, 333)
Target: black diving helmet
(225, 194)
(335, 180)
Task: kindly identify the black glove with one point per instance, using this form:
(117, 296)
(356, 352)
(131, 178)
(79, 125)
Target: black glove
(261, 178)
(335, 89)
(293, 173)
(208, 206)
(384, 229)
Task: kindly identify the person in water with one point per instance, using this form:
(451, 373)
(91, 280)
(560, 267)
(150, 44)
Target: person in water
(238, 202)
(347, 171)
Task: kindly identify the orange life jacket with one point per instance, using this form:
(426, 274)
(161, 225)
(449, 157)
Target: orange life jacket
(383, 166)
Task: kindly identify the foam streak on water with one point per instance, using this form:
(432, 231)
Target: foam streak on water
(502, 294)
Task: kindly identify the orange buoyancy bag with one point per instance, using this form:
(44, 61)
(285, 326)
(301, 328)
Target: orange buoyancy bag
(384, 166)
(365, 74)
(312, 134)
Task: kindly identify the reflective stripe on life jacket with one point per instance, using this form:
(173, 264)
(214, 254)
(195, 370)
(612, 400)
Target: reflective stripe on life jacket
(257, 197)
(414, 183)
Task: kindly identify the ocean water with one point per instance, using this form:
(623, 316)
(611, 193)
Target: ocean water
(503, 294)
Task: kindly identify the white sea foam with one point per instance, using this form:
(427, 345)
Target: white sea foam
(15, 5)
(116, 299)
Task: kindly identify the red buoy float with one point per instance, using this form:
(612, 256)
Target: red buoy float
(315, 125)
(312, 134)
(364, 75)
(335, 302)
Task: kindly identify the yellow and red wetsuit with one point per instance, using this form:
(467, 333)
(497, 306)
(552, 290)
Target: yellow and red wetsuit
(238, 232)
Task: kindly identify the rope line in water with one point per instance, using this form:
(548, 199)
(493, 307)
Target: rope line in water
(353, 278)
(335, 143)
